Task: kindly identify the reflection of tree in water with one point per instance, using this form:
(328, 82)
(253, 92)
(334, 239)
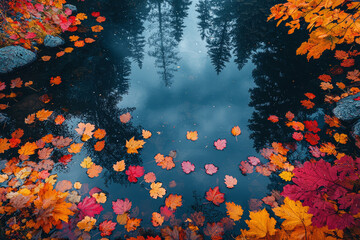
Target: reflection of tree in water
(233, 26)
(163, 41)
(178, 12)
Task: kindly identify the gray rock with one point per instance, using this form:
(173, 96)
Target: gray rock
(356, 128)
(52, 41)
(12, 57)
(347, 108)
(71, 7)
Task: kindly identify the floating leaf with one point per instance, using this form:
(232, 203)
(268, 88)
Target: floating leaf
(156, 190)
(215, 196)
(220, 144)
(234, 211)
(192, 135)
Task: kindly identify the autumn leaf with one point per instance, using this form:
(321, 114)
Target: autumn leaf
(133, 145)
(99, 146)
(210, 169)
(100, 197)
(100, 19)
(230, 181)
(134, 172)
(73, 38)
(341, 138)
(307, 104)
(55, 80)
(215, 196)
(99, 134)
(121, 206)
(146, 134)
(236, 131)
(220, 144)
(4, 145)
(273, 118)
(16, 83)
(173, 201)
(86, 224)
(30, 118)
(59, 119)
(119, 166)
(86, 129)
(150, 177)
(234, 211)
(79, 44)
(94, 170)
(156, 190)
(132, 224)
(89, 207)
(187, 167)
(86, 163)
(63, 185)
(125, 118)
(260, 224)
(43, 114)
(45, 153)
(68, 49)
(97, 28)
(122, 218)
(89, 40)
(157, 219)
(294, 213)
(192, 135)
(45, 58)
(28, 149)
(106, 228)
(75, 148)
(285, 175)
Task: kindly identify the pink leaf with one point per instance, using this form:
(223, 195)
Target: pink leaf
(121, 206)
(89, 207)
(187, 167)
(245, 167)
(30, 35)
(220, 144)
(210, 169)
(253, 160)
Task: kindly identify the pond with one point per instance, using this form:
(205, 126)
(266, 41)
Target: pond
(175, 66)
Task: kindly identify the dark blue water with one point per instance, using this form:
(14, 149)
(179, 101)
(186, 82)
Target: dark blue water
(177, 66)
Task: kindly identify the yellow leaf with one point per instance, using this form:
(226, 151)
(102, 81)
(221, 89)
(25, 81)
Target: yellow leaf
(192, 135)
(43, 114)
(236, 131)
(3, 178)
(260, 224)
(51, 179)
(294, 213)
(77, 185)
(133, 145)
(100, 197)
(286, 175)
(341, 138)
(28, 149)
(86, 163)
(122, 219)
(234, 211)
(156, 190)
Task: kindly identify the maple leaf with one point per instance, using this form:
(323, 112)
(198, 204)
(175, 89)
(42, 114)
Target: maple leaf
(133, 145)
(121, 206)
(132, 224)
(297, 136)
(63, 185)
(89, 207)
(215, 196)
(260, 224)
(341, 138)
(332, 121)
(77, 185)
(94, 170)
(4, 145)
(106, 227)
(125, 118)
(134, 172)
(187, 167)
(192, 135)
(146, 134)
(310, 95)
(16, 83)
(311, 138)
(95, 14)
(150, 177)
(86, 129)
(236, 131)
(45, 153)
(220, 144)
(294, 213)
(100, 197)
(307, 104)
(273, 118)
(286, 175)
(28, 149)
(30, 119)
(43, 114)
(119, 166)
(353, 75)
(347, 62)
(55, 80)
(99, 134)
(170, 234)
(99, 146)
(230, 181)
(86, 163)
(97, 28)
(79, 44)
(340, 55)
(167, 163)
(46, 58)
(100, 19)
(18, 133)
(59, 119)
(89, 40)
(234, 211)
(156, 190)
(166, 212)
(210, 169)
(214, 230)
(157, 219)
(86, 224)
(173, 201)
(245, 167)
(253, 160)
(75, 148)
(312, 126)
(122, 219)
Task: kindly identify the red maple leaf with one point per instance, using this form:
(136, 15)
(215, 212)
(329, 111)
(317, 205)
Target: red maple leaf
(65, 159)
(312, 126)
(312, 138)
(89, 207)
(134, 172)
(215, 196)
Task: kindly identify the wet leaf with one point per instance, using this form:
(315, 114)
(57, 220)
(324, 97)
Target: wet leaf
(215, 196)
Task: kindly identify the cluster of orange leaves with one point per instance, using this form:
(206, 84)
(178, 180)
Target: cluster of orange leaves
(329, 23)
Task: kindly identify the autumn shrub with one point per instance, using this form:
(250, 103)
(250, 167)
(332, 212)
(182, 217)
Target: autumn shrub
(25, 22)
(329, 23)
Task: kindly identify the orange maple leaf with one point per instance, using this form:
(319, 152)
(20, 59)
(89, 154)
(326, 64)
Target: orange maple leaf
(80, 43)
(99, 146)
(192, 135)
(94, 170)
(236, 131)
(133, 145)
(30, 119)
(146, 134)
(43, 114)
(173, 201)
(59, 119)
(4, 145)
(97, 28)
(45, 58)
(75, 147)
(99, 134)
(89, 40)
(28, 149)
(55, 80)
(125, 118)
(132, 224)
